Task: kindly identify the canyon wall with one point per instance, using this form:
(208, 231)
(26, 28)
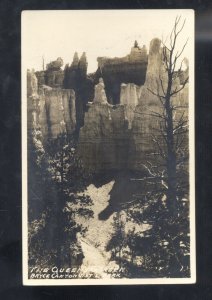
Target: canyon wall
(114, 133)
(129, 97)
(123, 136)
(114, 71)
(104, 138)
(76, 78)
(128, 69)
(147, 125)
(73, 77)
(57, 111)
(53, 76)
(33, 103)
(50, 109)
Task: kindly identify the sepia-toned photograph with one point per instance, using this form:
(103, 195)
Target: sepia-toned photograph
(108, 147)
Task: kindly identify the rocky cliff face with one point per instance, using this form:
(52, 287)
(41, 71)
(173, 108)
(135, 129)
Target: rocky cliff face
(75, 77)
(104, 138)
(33, 104)
(111, 136)
(147, 123)
(128, 69)
(121, 136)
(57, 111)
(129, 97)
(50, 109)
(53, 76)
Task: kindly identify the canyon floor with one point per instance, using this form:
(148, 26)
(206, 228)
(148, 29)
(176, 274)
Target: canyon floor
(94, 242)
(99, 232)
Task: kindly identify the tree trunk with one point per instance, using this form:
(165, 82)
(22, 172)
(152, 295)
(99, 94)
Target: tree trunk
(171, 155)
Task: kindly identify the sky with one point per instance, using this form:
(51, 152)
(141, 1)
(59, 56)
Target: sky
(58, 33)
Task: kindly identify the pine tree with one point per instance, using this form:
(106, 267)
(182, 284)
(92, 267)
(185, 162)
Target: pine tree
(57, 240)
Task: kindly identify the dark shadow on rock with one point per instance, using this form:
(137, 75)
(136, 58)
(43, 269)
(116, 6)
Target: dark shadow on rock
(122, 192)
(103, 178)
(106, 213)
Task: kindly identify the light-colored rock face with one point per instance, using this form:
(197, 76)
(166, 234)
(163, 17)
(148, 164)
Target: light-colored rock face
(99, 93)
(155, 71)
(147, 123)
(57, 110)
(129, 98)
(103, 140)
(121, 136)
(51, 109)
(129, 94)
(32, 84)
(42, 115)
(32, 100)
(113, 136)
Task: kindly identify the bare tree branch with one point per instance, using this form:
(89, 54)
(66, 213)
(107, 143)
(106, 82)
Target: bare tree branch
(155, 94)
(155, 140)
(176, 91)
(161, 83)
(177, 107)
(182, 49)
(158, 115)
(165, 57)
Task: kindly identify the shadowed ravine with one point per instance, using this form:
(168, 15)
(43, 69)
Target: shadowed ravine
(121, 193)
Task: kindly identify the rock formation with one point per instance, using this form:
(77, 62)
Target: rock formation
(120, 136)
(55, 65)
(32, 100)
(41, 78)
(146, 123)
(50, 109)
(129, 96)
(57, 111)
(117, 117)
(99, 94)
(128, 69)
(53, 76)
(103, 140)
(75, 77)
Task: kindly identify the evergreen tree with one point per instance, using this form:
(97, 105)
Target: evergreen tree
(56, 239)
